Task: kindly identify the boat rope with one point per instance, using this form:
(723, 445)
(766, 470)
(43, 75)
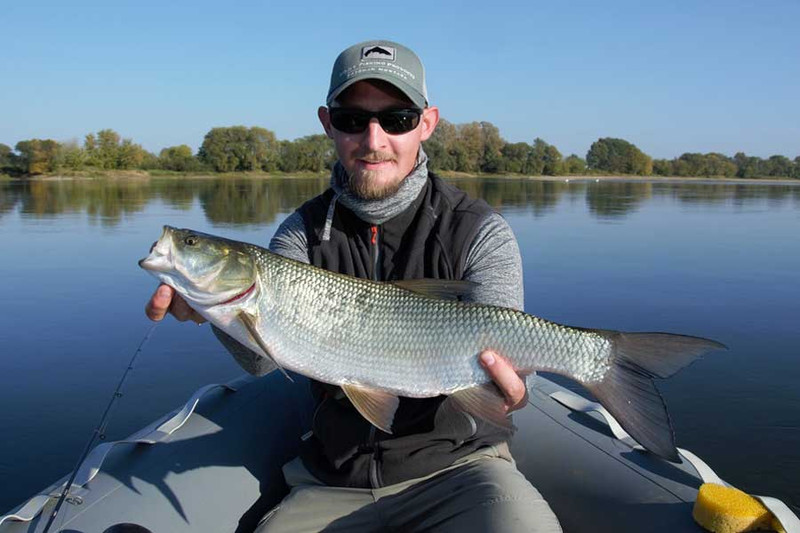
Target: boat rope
(99, 431)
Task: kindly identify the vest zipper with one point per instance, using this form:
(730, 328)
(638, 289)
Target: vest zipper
(376, 253)
(374, 463)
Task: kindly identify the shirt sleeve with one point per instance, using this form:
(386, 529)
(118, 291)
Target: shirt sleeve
(290, 239)
(495, 265)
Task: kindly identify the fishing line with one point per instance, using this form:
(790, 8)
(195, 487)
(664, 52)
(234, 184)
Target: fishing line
(99, 431)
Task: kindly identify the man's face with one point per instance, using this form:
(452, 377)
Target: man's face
(376, 161)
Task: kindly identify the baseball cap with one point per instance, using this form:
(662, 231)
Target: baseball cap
(380, 60)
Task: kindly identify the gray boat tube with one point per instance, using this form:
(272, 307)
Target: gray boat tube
(214, 464)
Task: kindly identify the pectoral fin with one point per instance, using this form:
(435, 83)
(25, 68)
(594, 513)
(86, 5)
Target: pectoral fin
(252, 361)
(485, 402)
(250, 323)
(375, 405)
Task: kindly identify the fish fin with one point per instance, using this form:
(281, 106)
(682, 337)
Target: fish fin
(375, 405)
(445, 289)
(484, 401)
(628, 391)
(250, 323)
(253, 362)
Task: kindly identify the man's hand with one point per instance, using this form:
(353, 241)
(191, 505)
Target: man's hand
(503, 374)
(164, 301)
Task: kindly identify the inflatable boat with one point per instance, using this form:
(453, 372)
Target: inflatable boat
(214, 464)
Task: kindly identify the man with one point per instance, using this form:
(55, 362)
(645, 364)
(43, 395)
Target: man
(386, 218)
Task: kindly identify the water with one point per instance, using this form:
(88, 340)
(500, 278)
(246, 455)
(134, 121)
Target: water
(716, 260)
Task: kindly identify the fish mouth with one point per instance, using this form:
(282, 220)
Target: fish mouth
(160, 258)
(155, 264)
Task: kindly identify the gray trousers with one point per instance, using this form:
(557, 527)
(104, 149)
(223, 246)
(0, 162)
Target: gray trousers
(483, 491)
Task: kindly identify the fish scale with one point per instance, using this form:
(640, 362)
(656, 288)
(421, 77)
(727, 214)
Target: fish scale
(427, 347)
(379, 341)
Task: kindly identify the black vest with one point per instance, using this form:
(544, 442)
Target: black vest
(430, 239)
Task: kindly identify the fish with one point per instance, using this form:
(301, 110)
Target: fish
(379, 341)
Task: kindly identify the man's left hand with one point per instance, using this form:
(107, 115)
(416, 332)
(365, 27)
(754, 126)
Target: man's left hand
(503, 374)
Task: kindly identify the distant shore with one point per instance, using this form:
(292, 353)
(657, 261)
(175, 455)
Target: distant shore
(583, 178)
(147, 175)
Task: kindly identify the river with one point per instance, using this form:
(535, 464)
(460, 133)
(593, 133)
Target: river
(718, 260)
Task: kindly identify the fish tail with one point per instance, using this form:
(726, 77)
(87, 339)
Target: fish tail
(628, 392)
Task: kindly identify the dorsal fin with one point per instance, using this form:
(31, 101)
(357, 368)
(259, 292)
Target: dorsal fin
(444, 289)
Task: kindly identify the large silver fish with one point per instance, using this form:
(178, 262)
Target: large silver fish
(379, 341)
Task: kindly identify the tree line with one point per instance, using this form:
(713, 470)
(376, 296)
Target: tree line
(475, 147)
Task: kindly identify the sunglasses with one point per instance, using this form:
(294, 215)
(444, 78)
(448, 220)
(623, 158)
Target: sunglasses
(393, 121)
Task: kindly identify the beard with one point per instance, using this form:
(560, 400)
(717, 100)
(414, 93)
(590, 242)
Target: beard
(367, 185)
(373, 184)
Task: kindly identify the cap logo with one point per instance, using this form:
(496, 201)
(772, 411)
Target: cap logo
(378, 52)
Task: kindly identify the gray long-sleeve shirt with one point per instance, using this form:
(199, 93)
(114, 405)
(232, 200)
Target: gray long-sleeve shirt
(493, 260)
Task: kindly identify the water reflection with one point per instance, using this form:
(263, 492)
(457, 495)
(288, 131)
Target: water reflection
(537, 195)
(8, 197)
(242, 201)
(238, 202)
(616, 199)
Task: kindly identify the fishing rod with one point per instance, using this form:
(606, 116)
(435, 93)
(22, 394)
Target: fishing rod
(99, 431)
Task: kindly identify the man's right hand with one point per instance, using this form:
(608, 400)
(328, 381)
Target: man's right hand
(164, 301)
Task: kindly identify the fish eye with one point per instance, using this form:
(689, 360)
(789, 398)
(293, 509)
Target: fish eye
(191, 240)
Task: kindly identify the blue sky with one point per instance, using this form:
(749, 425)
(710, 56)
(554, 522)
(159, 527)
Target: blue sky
(681, 76)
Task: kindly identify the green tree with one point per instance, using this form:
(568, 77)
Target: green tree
(262, 147)
(662, 167)
(707, 165)
(37, 156)
(746, 167)
(693, 165)
(72, 156)
(469, 147)
(553, 165)
(178, 158)
(107, 150)
(130, 155)
(312, 153)
(218, 148)
(6, 157)
(491, 160)
(441, 146)
(537, 158)
(515, 156)
(151, 161)
(618, 156)
(574, 165)
(238, 148)
(778, 166)
(719, 165)
(102, 150)
(290, 156)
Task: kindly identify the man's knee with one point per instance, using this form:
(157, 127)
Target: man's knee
(485, 495)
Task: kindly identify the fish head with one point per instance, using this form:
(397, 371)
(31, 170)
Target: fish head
(206, 270)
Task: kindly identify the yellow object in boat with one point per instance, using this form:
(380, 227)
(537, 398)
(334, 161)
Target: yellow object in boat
(727, 510)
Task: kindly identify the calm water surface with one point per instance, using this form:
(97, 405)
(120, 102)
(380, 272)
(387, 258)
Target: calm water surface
(715, 260)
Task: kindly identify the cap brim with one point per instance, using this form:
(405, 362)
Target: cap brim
(405, 88)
